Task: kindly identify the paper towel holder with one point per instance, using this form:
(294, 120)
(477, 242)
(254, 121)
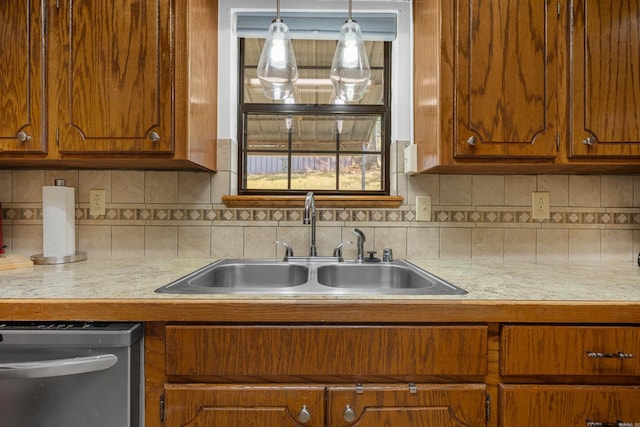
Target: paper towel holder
(40, 259)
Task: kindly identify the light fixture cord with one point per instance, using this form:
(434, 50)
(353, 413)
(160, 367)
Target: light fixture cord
(278, 10)
(349, 17)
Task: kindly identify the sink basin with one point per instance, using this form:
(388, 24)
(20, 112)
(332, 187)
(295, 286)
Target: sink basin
(237, 276)
(311, 276)
(380, 276)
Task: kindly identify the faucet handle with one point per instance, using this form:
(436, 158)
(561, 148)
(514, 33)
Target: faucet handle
(288, 251)
(337, 251)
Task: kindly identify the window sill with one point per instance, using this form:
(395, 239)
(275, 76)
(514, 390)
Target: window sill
(387, 202)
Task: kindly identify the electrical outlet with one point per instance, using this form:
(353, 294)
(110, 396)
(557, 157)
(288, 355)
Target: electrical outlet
(540, 205)
(423, 208)
(96, 202)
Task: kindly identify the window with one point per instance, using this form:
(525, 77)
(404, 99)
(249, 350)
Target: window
(310, 142)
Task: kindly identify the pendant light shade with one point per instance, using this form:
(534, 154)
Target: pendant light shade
(277, 69)
(350, 72)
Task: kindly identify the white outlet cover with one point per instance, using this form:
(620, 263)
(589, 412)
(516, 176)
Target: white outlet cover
(97, 202)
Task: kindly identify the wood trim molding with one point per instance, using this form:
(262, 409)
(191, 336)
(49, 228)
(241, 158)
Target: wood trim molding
(390, 202)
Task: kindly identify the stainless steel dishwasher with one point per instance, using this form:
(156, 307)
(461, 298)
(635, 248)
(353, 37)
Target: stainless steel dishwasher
(71, 374)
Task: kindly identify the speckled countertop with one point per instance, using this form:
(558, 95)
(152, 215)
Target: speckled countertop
(485, 281)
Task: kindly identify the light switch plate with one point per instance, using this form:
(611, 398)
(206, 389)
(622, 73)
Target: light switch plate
(423, 208)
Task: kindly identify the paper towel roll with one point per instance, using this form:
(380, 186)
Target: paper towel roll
(58, 221)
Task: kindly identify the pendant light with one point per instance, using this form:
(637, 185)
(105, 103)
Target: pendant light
(277, 69)
(350, 72)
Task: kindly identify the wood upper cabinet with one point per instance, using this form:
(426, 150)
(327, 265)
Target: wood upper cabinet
(605, 69)
(505, 71)
(126, 84)
(376, 405)
(115, 76)
(22, 68)
(527, 86)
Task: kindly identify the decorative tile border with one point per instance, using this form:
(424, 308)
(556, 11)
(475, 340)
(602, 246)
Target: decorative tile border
(516, 216)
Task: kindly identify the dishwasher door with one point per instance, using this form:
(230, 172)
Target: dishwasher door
(71, 375)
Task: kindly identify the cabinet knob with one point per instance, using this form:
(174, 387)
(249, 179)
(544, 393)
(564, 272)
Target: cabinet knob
(154, 137)
(591, 140)
(304, 415)
(23, 136)
(472, 140)
(349, 414)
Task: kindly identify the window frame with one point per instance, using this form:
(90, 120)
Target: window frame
(384, 110)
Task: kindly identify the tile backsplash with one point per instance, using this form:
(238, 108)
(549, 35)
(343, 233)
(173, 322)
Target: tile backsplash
(594, 218)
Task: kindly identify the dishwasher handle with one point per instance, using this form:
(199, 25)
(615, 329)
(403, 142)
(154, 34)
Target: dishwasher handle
(57, 367)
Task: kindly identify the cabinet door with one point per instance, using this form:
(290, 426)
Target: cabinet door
(606, 79)
(22, 98)
(244, 405)
(114, 84)
(569, 406)
(506, 79)
(399, 405)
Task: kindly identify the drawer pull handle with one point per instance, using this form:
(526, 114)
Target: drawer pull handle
(618, 355)
(591, 423)
(590, 141)
(472, 140)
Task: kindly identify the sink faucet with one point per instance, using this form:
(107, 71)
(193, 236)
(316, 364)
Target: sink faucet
(310, 218)
(360, 244)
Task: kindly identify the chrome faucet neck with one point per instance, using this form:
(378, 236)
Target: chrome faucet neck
(310, 218)
(360, 244)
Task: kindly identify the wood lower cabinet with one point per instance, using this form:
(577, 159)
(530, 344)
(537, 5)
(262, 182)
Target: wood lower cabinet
(324, 375)
(569, 375)
(376, 375)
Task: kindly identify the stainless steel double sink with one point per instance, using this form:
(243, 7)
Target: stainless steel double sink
(309, 276)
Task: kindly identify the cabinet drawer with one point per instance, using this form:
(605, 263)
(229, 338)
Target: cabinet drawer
(307, 351)
(568, 406)
(570, 350)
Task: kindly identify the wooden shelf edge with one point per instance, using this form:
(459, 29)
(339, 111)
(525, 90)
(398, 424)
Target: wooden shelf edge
(388, 202)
